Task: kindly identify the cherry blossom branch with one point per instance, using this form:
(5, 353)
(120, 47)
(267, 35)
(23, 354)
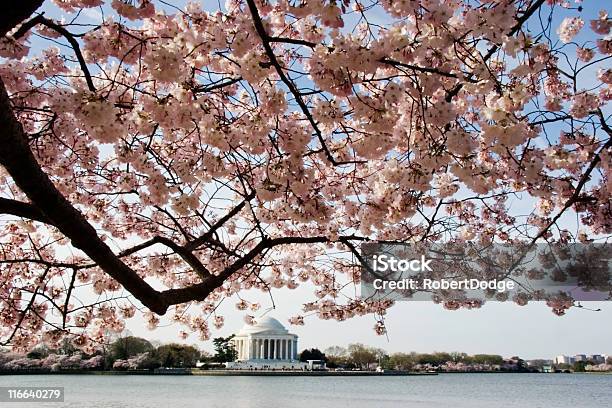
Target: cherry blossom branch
(20, 163)
(519, 23)
(183, 252)
(75, 46)
(67, 301)
(18, 160)
(385, 60)
(583, 180)
(261, 31)
(209, 88)
(25, 311)
(208, 235)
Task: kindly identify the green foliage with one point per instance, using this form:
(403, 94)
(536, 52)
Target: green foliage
(312, 354)
(176, 355)
(401, 361)
(39, 352)
(362, 355)
(579, 367)
(129, 346)
(486, 359)
(336, 356)
(224, 349)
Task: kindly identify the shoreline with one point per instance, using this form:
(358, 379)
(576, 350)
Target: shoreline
(270, 373)
(212, 373)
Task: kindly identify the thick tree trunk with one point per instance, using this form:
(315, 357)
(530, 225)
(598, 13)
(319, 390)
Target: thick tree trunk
(16, 11)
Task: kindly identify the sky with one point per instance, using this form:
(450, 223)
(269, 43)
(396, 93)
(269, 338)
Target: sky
(507, 329)
(531, 331)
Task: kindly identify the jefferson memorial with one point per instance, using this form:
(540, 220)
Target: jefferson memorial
(266, 345)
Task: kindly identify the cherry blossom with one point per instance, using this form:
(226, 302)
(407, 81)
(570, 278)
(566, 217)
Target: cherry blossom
(569, 28)
(158, 161)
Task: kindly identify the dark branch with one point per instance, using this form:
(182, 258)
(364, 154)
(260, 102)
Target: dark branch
(23, 210)
(75, 46)
(15, 11)
(265, 39)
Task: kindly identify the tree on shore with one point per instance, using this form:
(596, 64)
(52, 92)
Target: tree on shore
(579, 366)
(125, 347)
(402, 361)
(362, 356)
(158, 161)
(176, 355)
(337, 356)
(224, 349)
(312, 354)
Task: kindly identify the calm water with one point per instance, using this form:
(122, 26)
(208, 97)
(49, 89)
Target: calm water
(450, 390)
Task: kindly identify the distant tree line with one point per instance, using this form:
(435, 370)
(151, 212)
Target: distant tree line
(124, 353)
(363, 357)
(135, 353)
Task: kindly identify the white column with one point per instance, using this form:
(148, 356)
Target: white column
(269, 349)
(286, 349)
(262, 354)
(263, 349)
(275, 352)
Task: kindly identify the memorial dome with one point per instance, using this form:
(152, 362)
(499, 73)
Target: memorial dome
(264, 325)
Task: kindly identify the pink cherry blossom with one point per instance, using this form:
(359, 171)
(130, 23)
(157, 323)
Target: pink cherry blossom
(158, 162)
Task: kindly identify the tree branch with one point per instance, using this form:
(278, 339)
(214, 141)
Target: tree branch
(75, 46)
(265, 39)
(23, 210)
(15, 11)
(20, 163)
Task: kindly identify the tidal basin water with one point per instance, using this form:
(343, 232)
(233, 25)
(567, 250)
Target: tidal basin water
(445, 390)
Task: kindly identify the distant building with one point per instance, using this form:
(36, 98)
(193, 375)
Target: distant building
(596, 358)
(539, 363)
(564, 360)
(580, 357)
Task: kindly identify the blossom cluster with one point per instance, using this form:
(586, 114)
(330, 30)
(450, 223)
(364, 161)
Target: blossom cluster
(256, 150)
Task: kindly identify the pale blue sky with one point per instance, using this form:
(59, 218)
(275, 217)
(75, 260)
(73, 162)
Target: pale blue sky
(532, 331)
